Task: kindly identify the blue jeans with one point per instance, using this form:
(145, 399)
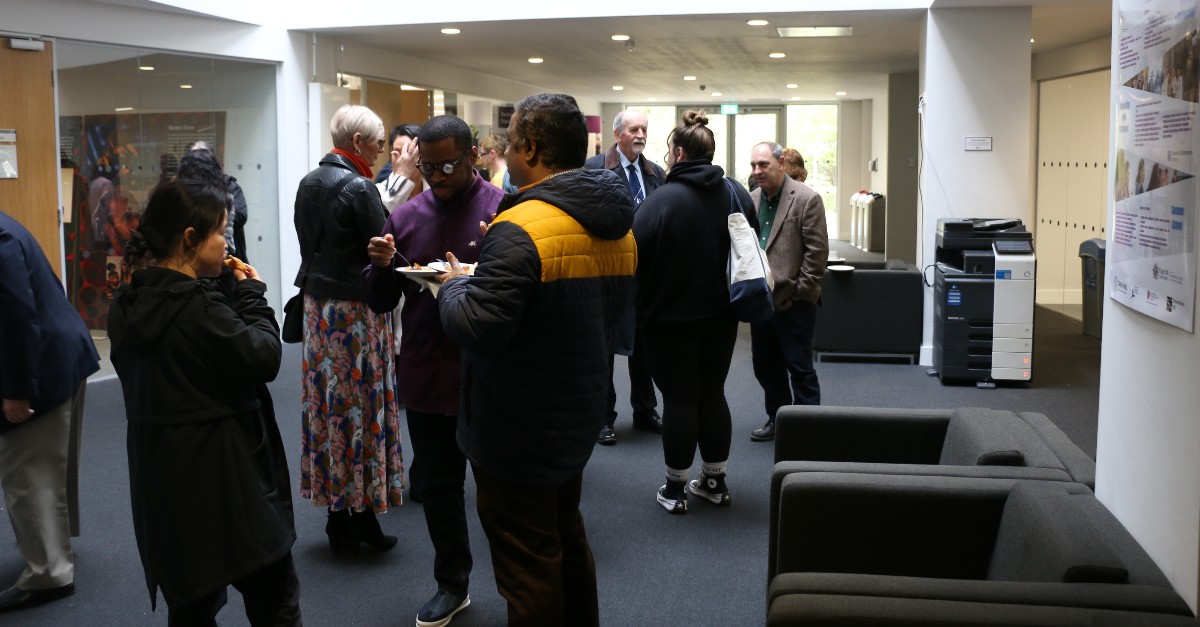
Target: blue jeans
(783, 362)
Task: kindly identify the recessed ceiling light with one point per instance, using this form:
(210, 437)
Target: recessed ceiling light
(1031, 40)
(451, 31)
(839, 93)
(792, 85)
(535, 59)
(795, 97)
(716, 94)
(150, 68)
(814, 31)
(777, 55)
(757, 22)
(617, 88)
(185, 86)
(689, 77)
(620, 37)
(123, 109)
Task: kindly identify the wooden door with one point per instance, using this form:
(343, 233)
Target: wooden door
(27, 106)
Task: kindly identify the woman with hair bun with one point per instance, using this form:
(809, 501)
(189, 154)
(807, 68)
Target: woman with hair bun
(208, 476)
(683, 309)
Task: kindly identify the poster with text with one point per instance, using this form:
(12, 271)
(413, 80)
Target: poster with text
(1151, 258)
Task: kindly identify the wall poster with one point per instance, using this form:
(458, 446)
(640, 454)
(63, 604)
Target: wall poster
(117, 159)
(1151, 257)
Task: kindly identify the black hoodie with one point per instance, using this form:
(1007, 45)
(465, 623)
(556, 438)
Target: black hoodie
(683, 245)
(555, 273)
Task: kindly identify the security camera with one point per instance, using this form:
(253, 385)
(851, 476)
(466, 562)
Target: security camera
(703, 87)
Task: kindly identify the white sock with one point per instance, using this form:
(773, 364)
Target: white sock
(678, 476)
(716, 468)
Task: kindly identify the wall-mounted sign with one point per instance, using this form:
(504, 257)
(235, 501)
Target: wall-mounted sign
(729, 109)
(975, 144)
(8, 153)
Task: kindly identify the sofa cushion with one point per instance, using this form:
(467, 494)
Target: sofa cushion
(1048, 534)
(977, 436)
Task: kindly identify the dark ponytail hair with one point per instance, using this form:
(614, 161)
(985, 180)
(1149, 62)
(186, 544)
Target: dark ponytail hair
(173, 207)
(694, 137)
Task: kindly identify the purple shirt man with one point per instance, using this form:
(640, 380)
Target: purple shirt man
(444, 219)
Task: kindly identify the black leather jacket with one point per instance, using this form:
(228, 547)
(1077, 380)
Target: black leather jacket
(334, 231)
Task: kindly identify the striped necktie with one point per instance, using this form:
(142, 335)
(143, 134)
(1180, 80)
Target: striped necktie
(635, 186)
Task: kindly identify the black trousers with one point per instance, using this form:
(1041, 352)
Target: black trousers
(783, 361)
(641, 384)
(540, 554)
(271, 595)
(443, 473)
(690, 362)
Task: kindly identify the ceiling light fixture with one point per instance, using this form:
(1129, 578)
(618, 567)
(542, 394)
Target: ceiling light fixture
(652, 100)
(620, 37)
(689, 77)
(618, 88)
(451, 31)
(792, 85)
(839, 93)
(146, 68)
(756, 22)
(185, 86)
(777, 55)
(716, 94)
(815, 31)
(123, 109)
(795, 97)
(1031, 40)
(536, 60)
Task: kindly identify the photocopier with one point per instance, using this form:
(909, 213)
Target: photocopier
(983, 301)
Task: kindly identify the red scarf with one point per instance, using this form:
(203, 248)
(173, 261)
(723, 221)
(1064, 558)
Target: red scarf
(361, 164)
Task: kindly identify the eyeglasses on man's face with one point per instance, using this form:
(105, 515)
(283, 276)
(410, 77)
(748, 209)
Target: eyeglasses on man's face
(446, 167)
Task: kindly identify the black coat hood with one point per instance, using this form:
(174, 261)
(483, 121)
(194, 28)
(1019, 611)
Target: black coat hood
(597, 199)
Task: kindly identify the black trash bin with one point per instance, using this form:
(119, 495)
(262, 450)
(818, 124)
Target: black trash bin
(1092, 253)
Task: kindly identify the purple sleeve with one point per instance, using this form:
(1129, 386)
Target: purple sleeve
(383, 286)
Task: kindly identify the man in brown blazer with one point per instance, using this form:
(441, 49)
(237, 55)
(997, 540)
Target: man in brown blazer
(792, 219)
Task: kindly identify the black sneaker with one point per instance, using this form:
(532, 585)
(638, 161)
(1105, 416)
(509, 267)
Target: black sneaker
(711, 488)
(440, 610)
(766, 433)
(672, 497)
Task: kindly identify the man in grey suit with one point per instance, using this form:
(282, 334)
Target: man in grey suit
(793, 232)
(642, 176)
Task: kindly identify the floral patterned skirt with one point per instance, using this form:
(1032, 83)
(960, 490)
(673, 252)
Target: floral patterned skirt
(352, 453)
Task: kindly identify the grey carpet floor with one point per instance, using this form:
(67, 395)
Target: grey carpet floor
(705, 568)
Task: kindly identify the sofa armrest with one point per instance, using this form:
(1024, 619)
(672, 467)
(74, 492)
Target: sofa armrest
(860, 434)
(1081, 467)
(815, 610)
(1126, 597)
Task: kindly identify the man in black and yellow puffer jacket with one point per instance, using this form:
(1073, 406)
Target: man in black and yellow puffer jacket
(534, 322)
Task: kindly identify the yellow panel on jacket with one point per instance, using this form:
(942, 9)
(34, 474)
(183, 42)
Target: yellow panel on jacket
(569, 251)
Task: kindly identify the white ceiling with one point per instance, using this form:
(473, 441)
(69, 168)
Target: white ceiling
(723, 52)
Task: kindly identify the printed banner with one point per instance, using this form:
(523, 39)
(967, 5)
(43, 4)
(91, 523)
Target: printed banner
(1151, 258)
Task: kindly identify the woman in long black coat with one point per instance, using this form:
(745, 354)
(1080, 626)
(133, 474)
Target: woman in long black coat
(208, 476)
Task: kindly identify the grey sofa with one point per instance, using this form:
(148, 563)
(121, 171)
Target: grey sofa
(967, 442)
(875, 310)
(863, 549)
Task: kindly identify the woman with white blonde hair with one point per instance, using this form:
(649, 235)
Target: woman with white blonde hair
(351, 462)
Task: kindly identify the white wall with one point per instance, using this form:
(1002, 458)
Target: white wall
(975, 63)
(1147, 467)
